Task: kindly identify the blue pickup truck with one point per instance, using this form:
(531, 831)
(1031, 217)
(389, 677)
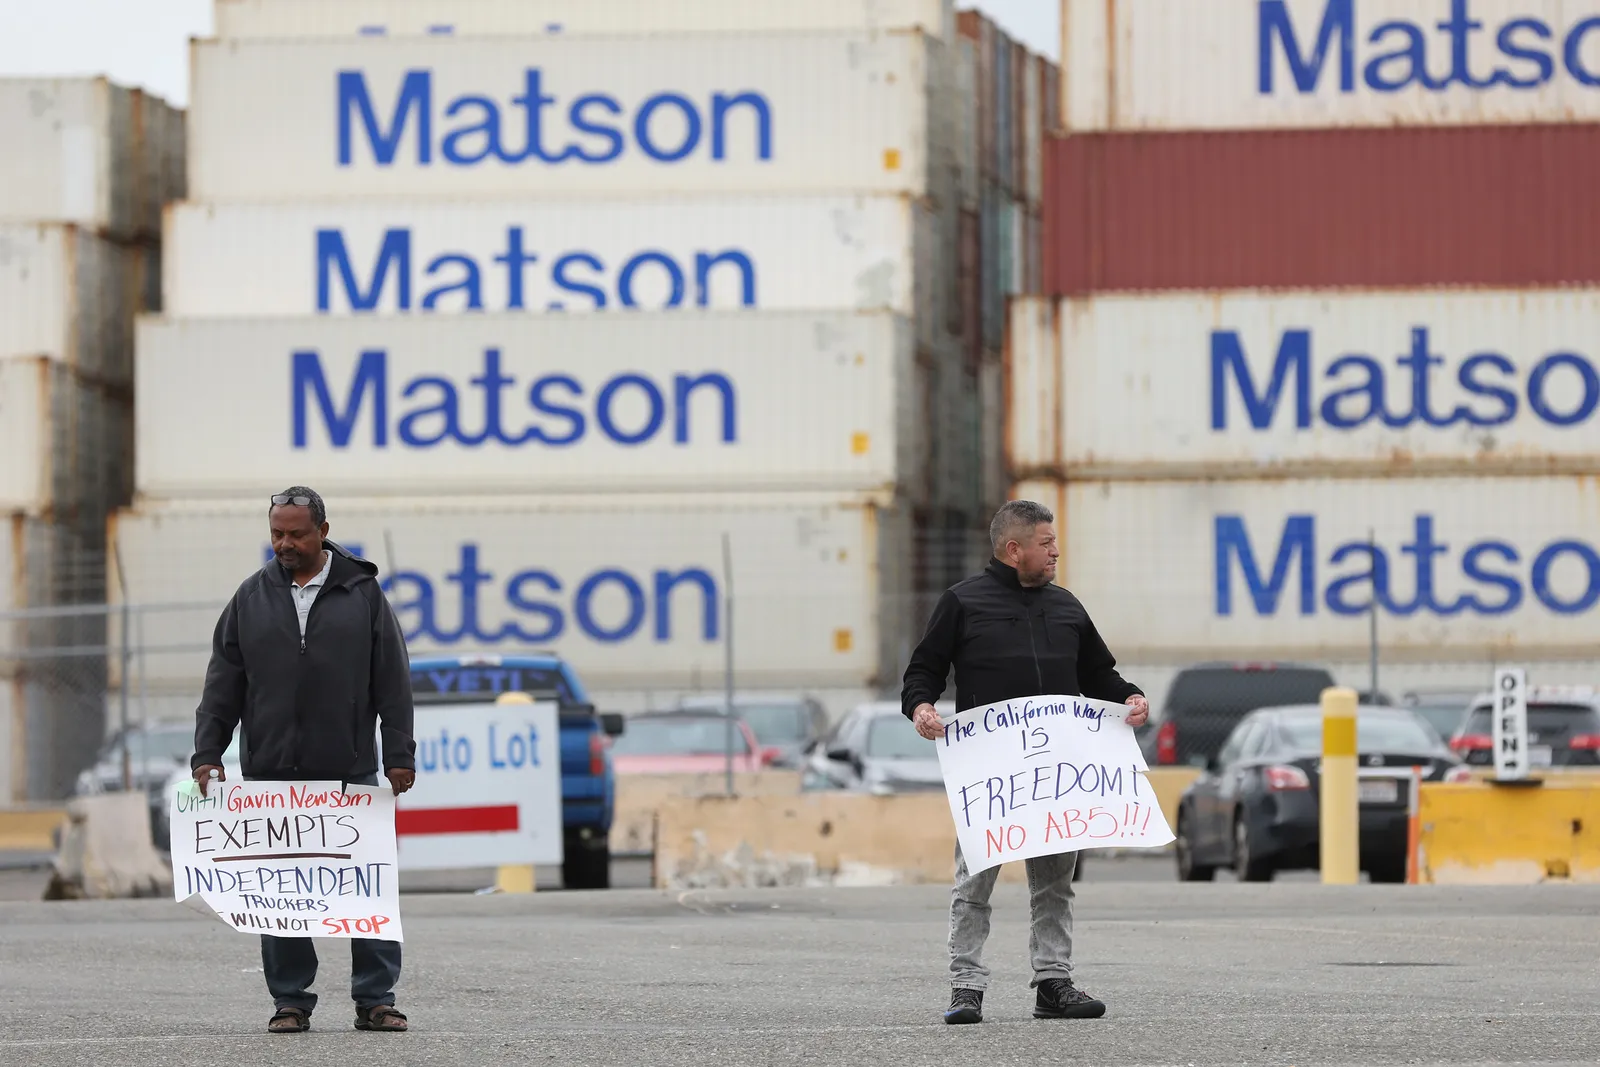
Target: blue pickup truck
(588, 784)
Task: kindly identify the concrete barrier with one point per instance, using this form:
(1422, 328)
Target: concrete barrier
(828, 838)
(640, 796)
(31, 829)
(1477, 833)
(106, 851)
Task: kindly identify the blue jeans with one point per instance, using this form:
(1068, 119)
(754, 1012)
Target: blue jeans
(290, 964)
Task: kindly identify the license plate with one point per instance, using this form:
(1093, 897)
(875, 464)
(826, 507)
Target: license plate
(1379, 790)
(1539, 755)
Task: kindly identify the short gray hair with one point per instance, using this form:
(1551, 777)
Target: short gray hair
(1014, 517)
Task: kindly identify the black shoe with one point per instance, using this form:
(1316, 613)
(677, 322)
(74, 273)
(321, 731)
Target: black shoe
(966, 1006)
(1059, 999)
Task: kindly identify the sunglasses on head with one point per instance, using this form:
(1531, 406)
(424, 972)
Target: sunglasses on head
(279, 499)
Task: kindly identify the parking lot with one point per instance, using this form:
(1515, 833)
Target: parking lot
(1286, 973)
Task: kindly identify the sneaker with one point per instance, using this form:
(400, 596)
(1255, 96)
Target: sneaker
(1059, 999)
(966, 1006)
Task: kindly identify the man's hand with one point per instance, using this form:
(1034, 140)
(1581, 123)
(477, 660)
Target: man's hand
(927, 722)
(401, 779)
(203, 776)
(1141, 710)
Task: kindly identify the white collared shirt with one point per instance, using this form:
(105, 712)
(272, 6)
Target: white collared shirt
(306, 595)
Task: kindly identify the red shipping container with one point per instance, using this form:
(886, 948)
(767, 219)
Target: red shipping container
(1465, 206)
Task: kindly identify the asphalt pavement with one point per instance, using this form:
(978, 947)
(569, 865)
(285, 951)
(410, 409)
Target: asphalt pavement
(1289, 973)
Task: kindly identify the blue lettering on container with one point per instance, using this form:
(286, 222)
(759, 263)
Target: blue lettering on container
(455, 279)
(1484, 565)
(555, 410)
(527, 127)
(1562, 389)
(611, 605)
(1531, 52)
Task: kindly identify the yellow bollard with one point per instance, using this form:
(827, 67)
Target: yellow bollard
(1339, 803)
(515, 877)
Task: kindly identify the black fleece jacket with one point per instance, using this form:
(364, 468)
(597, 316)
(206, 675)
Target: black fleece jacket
(1006, 641)
(308, 709)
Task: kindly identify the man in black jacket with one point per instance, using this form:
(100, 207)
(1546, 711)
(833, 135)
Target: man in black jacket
(306, 661)
(1009, 632)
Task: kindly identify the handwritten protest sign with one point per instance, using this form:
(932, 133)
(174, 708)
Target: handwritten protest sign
(1047, 774)
(294, 859)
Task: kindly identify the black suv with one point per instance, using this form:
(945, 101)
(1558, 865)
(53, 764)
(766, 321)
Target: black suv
(1207, 700)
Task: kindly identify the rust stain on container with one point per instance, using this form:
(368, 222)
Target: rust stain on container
(1504, 206)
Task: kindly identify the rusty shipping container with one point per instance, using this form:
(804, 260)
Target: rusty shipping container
(974, 27)
(67, 443)
(1496, 206)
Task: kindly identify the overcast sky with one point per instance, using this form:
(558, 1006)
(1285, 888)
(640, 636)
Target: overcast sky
(143, 42)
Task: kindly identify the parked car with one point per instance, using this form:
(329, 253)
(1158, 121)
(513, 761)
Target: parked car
(1563, 728)
(1207, 700)
(874, 749)
(787, 723)
(1255, 807)
(154, 751)
(1443, 708)
(687, 742)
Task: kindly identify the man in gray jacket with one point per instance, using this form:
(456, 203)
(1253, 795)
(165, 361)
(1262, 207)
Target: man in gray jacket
(307, 660)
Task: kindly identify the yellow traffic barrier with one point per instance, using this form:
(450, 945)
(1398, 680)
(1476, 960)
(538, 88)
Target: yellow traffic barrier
(1339, 804)
(1480, 833)
(30, 829)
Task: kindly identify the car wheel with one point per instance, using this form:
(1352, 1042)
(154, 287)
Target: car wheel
(1392, 872)
(1188, 870)
(585, 867)
(1246, 864)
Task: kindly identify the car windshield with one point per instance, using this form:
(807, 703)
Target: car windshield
(1442, 717)
(671, 735)
(775, 724)
(1553, 719)
(892, 737)
(173, 745)
(1227, 690)
(1376, 732)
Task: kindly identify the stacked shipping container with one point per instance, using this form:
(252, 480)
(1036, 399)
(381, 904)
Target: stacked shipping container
(1322, 332)
(86, 169)
(779, 196)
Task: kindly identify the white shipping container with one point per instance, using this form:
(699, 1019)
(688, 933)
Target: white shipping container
(771, 253)
(517, 403)
(529, 117)
(87, 152)
(66, 443)
(1243, 383)
(629, 589)
(70, 295)
(302, 19)
(967, 77)
(69, 142)
(1464, 566)
(1242, 64)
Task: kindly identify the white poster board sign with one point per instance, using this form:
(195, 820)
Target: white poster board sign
(488, 789)
(1047, 774)
(292, 859)
(1511, 754)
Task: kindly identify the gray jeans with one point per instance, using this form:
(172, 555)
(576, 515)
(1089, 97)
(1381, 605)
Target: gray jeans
(1050, 939)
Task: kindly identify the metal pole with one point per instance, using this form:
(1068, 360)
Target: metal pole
(1372, 555)
(1340, 806)
(727, 645)
(127, 661)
